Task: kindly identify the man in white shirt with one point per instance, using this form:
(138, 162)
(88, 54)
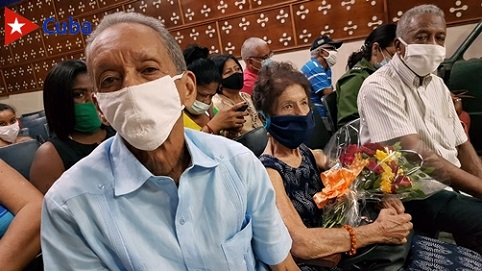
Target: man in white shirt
(403, 101)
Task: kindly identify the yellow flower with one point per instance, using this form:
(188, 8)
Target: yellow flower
(381, 156)
(386, 178)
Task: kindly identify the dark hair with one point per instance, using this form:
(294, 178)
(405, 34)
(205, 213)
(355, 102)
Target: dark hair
(272, 81)
(383, 35)
(220, 60)
(58, 97)
(204, 69)
(4, 107)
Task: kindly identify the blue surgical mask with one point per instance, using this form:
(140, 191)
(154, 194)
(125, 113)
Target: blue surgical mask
(266, 62)
(384, 61)
(290, 130)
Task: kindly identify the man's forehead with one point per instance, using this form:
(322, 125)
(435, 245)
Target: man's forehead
(427, 20)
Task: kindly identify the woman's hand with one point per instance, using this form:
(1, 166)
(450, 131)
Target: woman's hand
(229, 119)
(393, 227)
(393, 202)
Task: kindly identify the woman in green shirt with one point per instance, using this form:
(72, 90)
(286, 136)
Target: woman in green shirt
(377, 50)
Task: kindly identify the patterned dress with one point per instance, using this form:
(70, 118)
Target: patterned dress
(426, 254)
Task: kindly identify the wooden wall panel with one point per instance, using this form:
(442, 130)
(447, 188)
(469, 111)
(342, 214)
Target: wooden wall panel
(456, 11)
(342, 20)
(220, 25)
(198, 11)
(166, 11)
(274, 26)
(206, 34)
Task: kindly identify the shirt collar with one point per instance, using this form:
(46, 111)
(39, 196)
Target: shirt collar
(408, 76)
(130, 174)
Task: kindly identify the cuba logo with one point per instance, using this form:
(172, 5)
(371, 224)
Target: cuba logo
(71, 27)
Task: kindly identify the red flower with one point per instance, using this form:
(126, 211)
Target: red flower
(347, 157)
(371, 148)
(374, 166)
(401, 181)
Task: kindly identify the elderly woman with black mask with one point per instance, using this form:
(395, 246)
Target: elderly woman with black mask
(281, 96)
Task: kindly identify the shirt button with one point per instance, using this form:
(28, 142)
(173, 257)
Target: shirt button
(182, 221)
(100, 186)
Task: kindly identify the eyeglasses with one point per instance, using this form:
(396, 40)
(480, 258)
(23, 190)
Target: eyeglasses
(269, 55)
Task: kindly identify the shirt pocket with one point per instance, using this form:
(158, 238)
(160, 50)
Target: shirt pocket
(238, 251)
(446, 131)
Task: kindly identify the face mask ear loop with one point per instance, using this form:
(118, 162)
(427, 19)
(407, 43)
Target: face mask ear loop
(178, 76)
(267, 120)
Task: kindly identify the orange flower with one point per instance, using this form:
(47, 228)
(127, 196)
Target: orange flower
(337, 181)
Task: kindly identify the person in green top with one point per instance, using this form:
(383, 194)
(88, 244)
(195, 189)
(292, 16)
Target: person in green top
(377, 50)
(203, 115)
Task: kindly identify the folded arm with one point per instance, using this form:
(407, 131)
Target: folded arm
(21, 242)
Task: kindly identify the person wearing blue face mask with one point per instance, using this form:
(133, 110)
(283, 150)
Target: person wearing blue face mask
(72, 119)
(376, 51)
(281, 97)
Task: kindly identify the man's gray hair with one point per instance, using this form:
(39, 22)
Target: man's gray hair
(249, 45)
(403, 25)
(172, 47)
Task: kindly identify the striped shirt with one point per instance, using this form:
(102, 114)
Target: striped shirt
(394, 102)
(319, 78)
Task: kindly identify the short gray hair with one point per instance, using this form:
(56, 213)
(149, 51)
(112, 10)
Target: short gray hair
(172, 47)
(249, 46)
(403, 25)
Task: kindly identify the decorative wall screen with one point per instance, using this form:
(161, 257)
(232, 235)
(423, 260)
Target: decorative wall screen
(220, 25)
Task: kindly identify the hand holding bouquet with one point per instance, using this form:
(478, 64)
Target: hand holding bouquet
(368, 171)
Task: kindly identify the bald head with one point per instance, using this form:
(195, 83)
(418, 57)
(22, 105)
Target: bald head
(172, 47)
(252, 46)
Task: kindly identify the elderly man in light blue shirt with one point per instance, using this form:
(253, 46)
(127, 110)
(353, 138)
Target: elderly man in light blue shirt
(156, 196)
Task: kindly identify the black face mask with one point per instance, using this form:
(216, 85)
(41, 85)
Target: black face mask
(291, 130)
(234, 81)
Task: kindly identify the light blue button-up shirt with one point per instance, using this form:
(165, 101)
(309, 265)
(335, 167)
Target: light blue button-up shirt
(109, 212)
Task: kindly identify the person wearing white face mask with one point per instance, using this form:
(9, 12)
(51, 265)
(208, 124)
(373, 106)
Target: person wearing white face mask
(203, 115)
(404, 101)
(157, 196)
(377, 50)
(9, 126)
(318, 69)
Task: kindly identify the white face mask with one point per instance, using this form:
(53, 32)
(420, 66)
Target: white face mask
(423, 59)
(198, 108)
(143, 114)
(331, 58)
(9, 133)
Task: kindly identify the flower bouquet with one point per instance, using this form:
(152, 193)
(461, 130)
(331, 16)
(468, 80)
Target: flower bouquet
(368, 171)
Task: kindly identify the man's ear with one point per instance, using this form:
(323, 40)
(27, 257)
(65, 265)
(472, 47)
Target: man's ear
(398, 45)
(189, 90)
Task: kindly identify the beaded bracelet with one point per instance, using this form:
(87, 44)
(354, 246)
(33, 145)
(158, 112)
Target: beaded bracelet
(350, 230)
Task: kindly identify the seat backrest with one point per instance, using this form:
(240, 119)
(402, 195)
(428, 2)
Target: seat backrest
(320, 134)
(329, 101)
(255, 140)
(31, 116)
(37, 128)
(20, 155)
